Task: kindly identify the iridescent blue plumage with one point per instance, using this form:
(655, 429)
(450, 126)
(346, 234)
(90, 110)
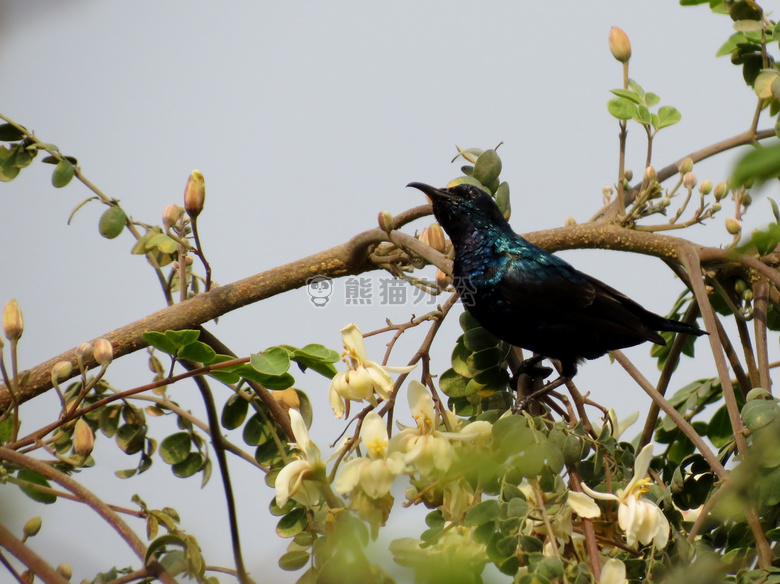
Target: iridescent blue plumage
(531, 298)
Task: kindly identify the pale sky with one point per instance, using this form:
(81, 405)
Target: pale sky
(307, 119)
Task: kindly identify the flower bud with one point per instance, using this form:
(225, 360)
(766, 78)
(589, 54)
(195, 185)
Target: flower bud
(570, 222)
(716, 207)
(705, 187)
(83, 438)
(689, 180)
(386, 222)
(65, 571)
(686, 166)
(61, 370)
(746, 200)
(721, 190)
(740, 286)
(195, 194)
(171, 215)
(442, 280)
(628, 174)
(13, 323)
(103, 352)
(650, 174)
(607, 191)
(82, 350)
(733, 226)
(32, 527)
(747, 295)
(433, 235)
(619, 45)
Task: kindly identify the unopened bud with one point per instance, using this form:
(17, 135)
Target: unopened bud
(32, 527)
(103, 352)
(740, 286)
(570, 222)
(705, 187)
(619, 45)
(716, 207)
(195, 194)
(433, 235)
(61, 370)
(747, 198)
(628, 174)
(13, 323)
(689, 180)
(686, 166)
(171, 215)
(386, 222)
(747, 295)
(721, 190)
(733, 226)
(442, 280)
(650, 174)
(83, 350)
(83, 438)
(607, 191)
(65, 571)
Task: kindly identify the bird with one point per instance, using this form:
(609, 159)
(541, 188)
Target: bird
(530, 298)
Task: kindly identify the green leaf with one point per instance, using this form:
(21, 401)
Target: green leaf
(235, 411)
(628, 94)
(112, 222)
(643, 115)
(6, 429)
(316, 357)
(482, 513)
(652, 99)
(161, 242)
(189, 466)
(176, 447)
(36, 479)
(160, 341)
(759, 165)
(460, 359)
(453, 385)
(62, 175)
(763, 83)
(292, 524)
(197, 351)
(319, 352)
(621, 108)
(758, 413)
(667, 116)
(274, 361)
(719, 428)
(478, 339)
(8, 168)
(294, 560)
(9, 133)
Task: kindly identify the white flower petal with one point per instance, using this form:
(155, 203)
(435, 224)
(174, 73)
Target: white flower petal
(348, 476)
(641, 464)
(289, 480)
(353, 341)
(613, 572)
(597, 495)
(583, 505)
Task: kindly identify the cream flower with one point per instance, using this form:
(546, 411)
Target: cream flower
(363, 378)
(291, 482)
(374, 473)
(613, 572)
(641, 519)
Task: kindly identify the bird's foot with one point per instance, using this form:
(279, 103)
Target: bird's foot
(523, 402)
(531, 368)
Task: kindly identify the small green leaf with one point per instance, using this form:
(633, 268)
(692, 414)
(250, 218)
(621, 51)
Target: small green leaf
(294, 560)
(643, 115)
(478, 339)
(36, 479)
(759, 164)
(189, 466)
(763, 83)
(62, 175)
(667, 116)
(628, 94)
(9, 133)
(176, 447)
(160, 341)
(292, 524)
(161, 242)
(274, 361)
(198, 352)
(482, 513)
(112, 222)
(235, 411)
(621, 108)
(652, 99)
(453, 385)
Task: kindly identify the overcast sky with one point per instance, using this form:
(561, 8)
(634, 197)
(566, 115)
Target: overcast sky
(307, 118)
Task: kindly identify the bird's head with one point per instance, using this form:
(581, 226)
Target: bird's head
(462, 207)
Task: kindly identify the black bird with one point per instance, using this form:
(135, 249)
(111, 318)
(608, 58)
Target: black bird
(530, 298)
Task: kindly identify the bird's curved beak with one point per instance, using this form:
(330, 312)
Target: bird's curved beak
(432, 192)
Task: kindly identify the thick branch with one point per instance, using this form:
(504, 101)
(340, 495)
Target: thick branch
(352, 258)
